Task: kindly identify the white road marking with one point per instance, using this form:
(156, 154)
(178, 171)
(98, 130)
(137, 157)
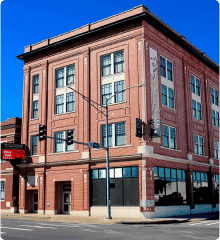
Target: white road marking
(2, 233)
(89, 230)
(18, 229)
(198, 223)
(212, 223)
(56, 225)
(37, 226)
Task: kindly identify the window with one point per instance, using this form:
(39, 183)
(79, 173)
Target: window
(169, 186)
(200, 188)
(34, 140)
(169, 137)
(106, 93)
(119, 62)
(70, 102)
(212, 95)
(60, 145)
(70, 75)
(119, 87)
(198, 145)
(166, 68)
(106, 65)
(2, 190)
(216, 149)
(170, 101)
(164, 95)
(35, 109)
(112, 63)
(126, 186)
(216, 187)
(60, 104)
(192, 84)
(215, 118)
(195, 85)
(196, 110)
(116, 134)
(65, 76)
(36, 84)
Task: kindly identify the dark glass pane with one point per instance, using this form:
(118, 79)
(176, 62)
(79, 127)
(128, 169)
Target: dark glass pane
(161, 172)
(155, 171)
(134, 171)
(127, 172)
(173, 173)
(167, 172)
(95, 174)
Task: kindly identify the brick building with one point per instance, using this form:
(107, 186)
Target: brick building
(10, 133)
(160, 76)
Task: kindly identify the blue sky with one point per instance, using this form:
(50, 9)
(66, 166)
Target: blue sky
(27, 22)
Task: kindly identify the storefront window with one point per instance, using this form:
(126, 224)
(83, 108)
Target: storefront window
(202, 194)
(170, 186)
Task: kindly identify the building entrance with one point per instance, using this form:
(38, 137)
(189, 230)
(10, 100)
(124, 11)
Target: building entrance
(35, 202)
(66, 198)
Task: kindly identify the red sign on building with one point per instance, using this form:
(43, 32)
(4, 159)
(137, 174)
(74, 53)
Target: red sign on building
(11, 154)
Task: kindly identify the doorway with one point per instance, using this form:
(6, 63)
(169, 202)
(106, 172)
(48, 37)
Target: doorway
(35, 202)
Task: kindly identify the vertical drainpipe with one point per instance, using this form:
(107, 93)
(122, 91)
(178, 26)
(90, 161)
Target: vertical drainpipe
(46, 112)
(89, 122)
(189, 184)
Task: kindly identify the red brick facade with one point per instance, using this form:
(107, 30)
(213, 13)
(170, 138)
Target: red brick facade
(139, 34)
(10, 133)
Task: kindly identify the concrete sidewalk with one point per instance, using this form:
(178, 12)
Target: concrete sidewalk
(103, 220)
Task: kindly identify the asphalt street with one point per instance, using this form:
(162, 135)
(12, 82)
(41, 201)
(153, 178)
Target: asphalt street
(22, 230)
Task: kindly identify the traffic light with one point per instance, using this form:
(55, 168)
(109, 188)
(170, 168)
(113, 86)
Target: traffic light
(138, 127)
(93, 145)
(42, 132)
(69, 137)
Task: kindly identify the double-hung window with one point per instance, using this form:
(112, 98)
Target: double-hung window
(198, 145)
(116, 134)
(35, 109)
(112, 84)
(112, 63)
(166, 68)
(167, 84)
(169, 137)
(196, 98)
(65, 97)
(215, 108)
(2, 190)
(60, 145)
(60, 104)
(36, 84)
(34, 141)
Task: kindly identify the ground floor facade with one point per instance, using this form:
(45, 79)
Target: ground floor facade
(139, 186)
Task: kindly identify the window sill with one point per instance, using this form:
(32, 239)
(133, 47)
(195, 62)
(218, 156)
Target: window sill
(111, 75)
(33, 155)
(169, 108)
(173, 149)
(112, 104)
(33, 119)
(63, 87)
(63, 153)
(114, 147)
(200, 120)
(2, 200)
(60, 114)
(200, 155)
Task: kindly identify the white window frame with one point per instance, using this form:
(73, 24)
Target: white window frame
(32, 145)
(169, 138)
(112, 78)
(64, 142)
(199, 145)
(64, 90)
(166, 71)
(114, 134)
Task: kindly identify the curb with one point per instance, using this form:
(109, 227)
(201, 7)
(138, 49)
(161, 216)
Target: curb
(156, 222)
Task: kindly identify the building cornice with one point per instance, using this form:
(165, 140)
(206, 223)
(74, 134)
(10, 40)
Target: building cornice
(145, 15)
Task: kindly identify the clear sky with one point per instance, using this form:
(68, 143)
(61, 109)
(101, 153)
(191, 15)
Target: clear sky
(26, 22)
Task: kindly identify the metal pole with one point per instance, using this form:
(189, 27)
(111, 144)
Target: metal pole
(107, 163)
